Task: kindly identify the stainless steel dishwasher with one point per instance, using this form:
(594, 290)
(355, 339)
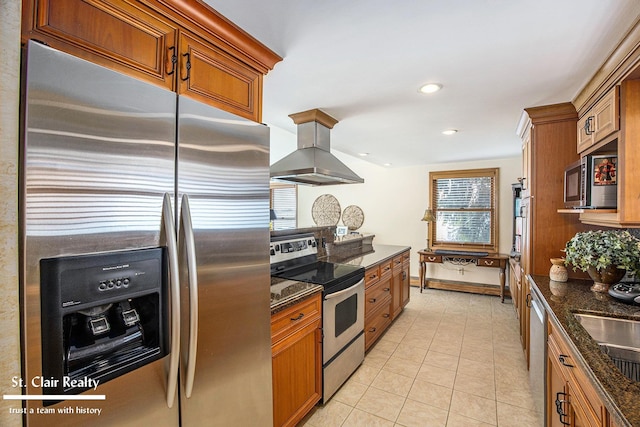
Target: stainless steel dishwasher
(537, 352)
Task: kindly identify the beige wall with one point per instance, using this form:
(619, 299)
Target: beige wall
(394, 199)
(9, 106)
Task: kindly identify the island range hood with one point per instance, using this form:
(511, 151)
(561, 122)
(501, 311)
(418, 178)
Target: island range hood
(312, 163)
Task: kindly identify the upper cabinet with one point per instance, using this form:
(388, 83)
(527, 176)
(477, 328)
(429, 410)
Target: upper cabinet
(182, 45)
(600, 121)
(609, 111)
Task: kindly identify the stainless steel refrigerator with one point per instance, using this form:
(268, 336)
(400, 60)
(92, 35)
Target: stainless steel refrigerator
(112, 166)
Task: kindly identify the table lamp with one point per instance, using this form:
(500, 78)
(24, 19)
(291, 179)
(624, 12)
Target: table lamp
(429, 218)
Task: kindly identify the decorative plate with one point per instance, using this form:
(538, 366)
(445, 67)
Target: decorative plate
(325, 210)
(353, 217)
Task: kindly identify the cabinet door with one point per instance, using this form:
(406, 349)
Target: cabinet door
(585, 132)
(210, 75)
(117, 34)
(406, 290)
(558, 412)
(297, 374)
(606, 114)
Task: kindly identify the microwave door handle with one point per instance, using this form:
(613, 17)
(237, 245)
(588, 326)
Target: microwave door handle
(342, 292)
(168, 237)
(186, 233)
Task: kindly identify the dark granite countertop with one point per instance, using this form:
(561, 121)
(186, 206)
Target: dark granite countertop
(620, 395)
(285, 293)
(376, 255)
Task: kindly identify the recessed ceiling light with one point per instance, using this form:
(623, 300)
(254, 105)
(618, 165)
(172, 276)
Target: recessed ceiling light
(387, 164)
(363, 154)
(430, 87)
(449, 131)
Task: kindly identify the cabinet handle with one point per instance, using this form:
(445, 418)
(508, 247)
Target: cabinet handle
(587, 126)
(431, 258)
(386, 289)
(385, 315)
(404, 275)
(559, 409)
(372, 300)
(187, 66)
(527, 300)
(563, 359)
(373, 329)
(174, 60)
(300, 316)
(488, 262)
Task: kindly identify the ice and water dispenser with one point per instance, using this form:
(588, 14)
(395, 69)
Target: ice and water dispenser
(103, 315)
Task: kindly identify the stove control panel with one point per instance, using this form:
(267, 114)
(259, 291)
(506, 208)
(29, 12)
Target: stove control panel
(291, 247)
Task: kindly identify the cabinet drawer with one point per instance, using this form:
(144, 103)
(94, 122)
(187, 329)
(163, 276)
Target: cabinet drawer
(376, 325)
(385, 269)
(293, 318)
(397, 262)
(406, 258)
(371, 276)
(432, 258)
(376, 296)
(488, 262)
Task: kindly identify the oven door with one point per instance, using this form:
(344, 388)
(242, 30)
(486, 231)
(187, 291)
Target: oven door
(343, 319)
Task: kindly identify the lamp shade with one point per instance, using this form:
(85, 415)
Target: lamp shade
(428, 216)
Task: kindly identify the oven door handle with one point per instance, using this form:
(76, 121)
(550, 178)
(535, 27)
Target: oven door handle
(168, 236)
(344, 291)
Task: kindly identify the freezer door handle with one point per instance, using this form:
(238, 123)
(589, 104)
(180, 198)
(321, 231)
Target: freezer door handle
(187, 239)
(168, 237)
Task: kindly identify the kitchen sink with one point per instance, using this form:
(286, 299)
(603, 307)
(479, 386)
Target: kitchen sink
(618, 338)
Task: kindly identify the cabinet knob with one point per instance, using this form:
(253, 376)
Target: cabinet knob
(174, 60)
(187, 66)
(563, 359)
(559, 408)
(300, 316)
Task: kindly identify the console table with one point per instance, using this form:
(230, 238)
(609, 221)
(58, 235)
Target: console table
(491, 260)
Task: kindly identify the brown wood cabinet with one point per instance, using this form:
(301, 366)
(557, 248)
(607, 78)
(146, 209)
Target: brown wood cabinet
(600, 121)
(296, 348)
(182, 45)
(628, 150)
(571, 398)
(549, 135)
(386, 294)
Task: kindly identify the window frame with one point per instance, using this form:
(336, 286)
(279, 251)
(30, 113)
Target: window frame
(491, 247)
(289, 223)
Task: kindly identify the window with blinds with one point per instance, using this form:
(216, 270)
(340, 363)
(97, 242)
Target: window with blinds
(284, 200)
(464, 204)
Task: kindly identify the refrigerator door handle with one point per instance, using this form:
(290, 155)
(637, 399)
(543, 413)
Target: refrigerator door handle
(186, 233)
(169, 237)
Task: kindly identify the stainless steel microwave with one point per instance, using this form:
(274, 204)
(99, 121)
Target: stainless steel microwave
(591, 182)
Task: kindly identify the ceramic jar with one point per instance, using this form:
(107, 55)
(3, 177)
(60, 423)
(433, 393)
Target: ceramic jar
(558, 271)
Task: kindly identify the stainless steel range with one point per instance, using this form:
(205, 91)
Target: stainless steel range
(295, 257)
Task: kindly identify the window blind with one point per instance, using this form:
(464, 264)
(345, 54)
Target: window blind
(284, 202)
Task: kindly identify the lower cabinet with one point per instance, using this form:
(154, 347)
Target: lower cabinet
(386, 294)
(571, 399)
(296, 351)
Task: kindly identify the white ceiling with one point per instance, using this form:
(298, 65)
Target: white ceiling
(362, 62)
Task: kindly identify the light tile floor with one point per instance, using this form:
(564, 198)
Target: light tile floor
(450, 359)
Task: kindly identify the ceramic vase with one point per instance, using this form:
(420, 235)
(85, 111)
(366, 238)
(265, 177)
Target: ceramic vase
(604, 278)
(558, 271)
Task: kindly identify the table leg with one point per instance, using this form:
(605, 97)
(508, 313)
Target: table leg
(422, 274)
(502, 279)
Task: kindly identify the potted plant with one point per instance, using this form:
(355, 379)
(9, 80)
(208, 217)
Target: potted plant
(605, 254)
